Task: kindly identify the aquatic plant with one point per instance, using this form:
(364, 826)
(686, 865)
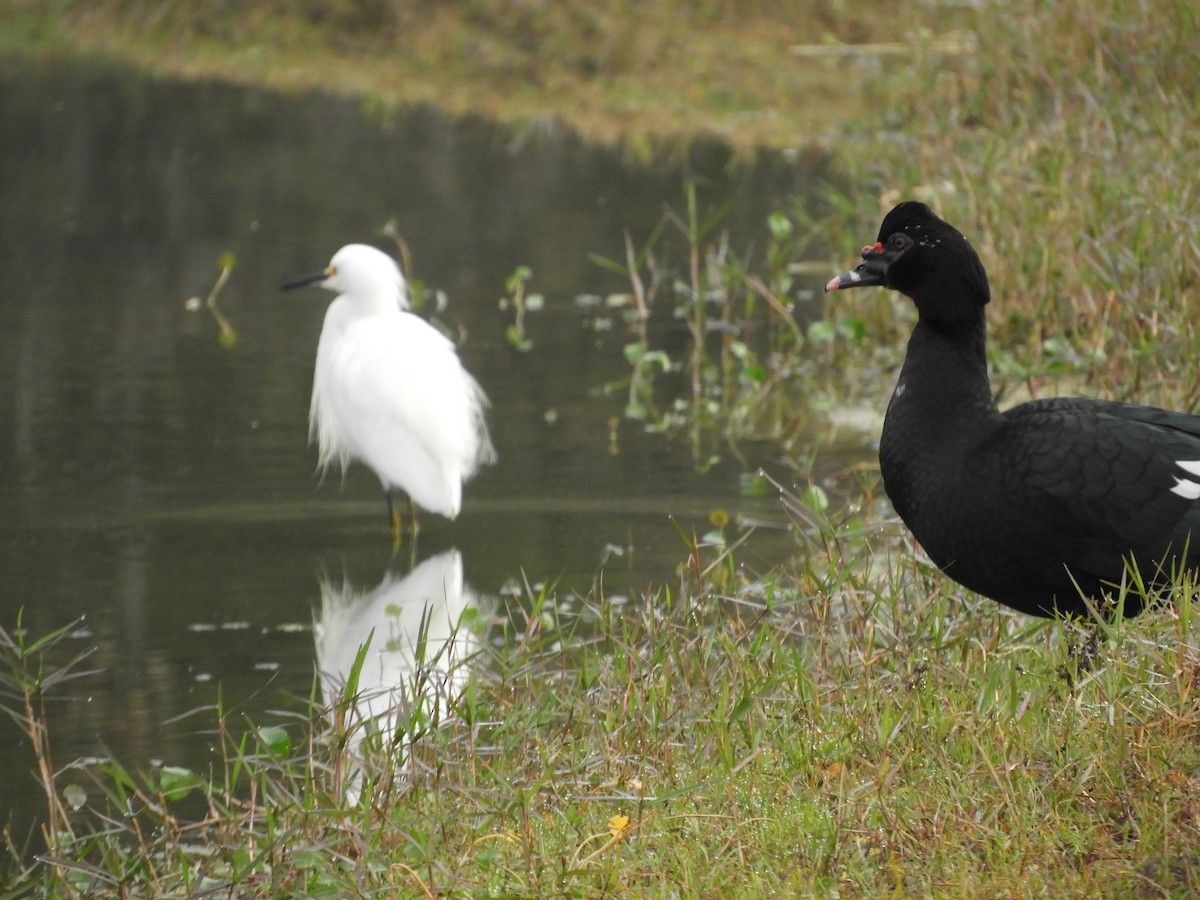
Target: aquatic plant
(724, 348)
(227, 334)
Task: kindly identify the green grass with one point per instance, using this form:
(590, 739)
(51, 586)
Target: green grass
(851, 723)
(648, 74)
(1061, 151)
(847, 729)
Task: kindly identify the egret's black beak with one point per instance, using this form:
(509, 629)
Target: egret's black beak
(306, 280)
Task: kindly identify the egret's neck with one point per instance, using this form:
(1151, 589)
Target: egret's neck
(348, 308)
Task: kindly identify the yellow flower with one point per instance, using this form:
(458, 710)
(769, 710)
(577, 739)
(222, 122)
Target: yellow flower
(618, 825)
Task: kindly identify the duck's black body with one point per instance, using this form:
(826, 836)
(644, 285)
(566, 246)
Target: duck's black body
(1038, 506)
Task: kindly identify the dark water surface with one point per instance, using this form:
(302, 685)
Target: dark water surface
(159, 484)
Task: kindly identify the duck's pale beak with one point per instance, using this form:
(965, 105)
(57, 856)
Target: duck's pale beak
(871, 271)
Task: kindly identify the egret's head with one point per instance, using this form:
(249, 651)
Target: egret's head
(362, 273)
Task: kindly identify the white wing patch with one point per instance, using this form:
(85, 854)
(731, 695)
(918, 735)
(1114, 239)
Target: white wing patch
(1189, 490)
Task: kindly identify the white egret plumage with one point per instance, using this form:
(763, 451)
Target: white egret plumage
(389, 389)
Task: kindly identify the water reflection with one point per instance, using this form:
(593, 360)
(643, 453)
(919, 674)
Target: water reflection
(416, 644)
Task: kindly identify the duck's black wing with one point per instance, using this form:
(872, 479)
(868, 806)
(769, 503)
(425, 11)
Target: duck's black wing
(1099, 483)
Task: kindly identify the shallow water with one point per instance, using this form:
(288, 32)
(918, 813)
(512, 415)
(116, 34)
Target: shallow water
(159, 484)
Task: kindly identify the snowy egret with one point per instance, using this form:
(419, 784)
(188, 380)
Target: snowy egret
(389, 389)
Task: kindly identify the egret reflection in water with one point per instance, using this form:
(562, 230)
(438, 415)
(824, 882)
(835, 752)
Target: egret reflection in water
(418, 650)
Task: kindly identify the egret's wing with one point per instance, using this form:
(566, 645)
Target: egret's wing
(407, 406)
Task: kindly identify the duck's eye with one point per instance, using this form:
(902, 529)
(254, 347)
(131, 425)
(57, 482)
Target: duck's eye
(899, 241)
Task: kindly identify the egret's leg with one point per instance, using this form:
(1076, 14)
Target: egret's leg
(393, 516)
(397, 523)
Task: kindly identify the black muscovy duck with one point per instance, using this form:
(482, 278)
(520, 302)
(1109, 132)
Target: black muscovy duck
(1039, 506)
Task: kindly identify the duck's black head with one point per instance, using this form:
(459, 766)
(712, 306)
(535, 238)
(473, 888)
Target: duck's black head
(926, 259)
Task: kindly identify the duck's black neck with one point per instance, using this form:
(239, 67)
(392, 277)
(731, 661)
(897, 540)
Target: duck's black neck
(945, 371)
(942, 406)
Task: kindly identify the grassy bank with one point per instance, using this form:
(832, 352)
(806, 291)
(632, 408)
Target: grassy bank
(855, 725)
(649, 74)
(851, 730)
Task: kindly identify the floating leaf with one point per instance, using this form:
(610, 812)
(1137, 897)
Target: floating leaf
(853, 328)
(822, 332)
(753, 374)
(176, 782)
(780, 226)
(520, 274)
(75, 796)
(816, 499)
(659, 358)
(515, 339)
(277, 741)
(753, 484)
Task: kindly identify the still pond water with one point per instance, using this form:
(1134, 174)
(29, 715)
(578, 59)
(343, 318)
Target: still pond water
(158, 483)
